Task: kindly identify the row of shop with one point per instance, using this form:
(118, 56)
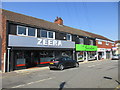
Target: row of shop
(30, 52)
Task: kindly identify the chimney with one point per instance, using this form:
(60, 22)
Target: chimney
(58, 20)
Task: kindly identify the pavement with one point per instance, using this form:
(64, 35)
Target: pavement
(30, 70)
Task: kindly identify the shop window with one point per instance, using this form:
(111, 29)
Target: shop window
(81, 40)
(21, 30)
(31, 31)
(20, 58)
(91, 42)
(69, 37)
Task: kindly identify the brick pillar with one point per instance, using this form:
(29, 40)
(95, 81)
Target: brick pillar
(3, 36)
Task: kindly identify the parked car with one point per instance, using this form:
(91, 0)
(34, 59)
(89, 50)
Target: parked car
(63, 62)
(116, 57)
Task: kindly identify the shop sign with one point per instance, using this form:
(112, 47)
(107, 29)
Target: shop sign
(49, 42)
(80, 47)
(101, 49)
(23, 41)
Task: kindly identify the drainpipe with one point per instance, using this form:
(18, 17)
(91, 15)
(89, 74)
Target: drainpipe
(86, 56)
(4, 62)
(97, 55)
(8, 65)
(73, 55)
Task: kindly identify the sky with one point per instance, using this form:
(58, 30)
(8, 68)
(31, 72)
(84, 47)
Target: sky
(96, 17)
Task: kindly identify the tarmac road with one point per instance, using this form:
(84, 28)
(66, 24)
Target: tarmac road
(93, 74)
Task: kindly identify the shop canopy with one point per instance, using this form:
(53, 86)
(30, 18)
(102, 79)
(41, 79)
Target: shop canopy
(80, 47)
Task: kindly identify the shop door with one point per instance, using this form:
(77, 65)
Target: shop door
(31, 59)
(107, 55)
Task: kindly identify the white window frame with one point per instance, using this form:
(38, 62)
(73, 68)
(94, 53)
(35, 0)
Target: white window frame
(70, 37)
(26, 31)
(40, 33)
(99, 41)
(113, 44)
(91, 42)
(82, 40)
(35, 32)
(48, 35)
(22, 34)
(107, 43)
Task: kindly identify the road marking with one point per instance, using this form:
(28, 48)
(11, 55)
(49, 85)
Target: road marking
(91, 66)
(32, 83)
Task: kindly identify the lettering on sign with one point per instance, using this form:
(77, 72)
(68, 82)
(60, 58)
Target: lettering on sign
(48, 42)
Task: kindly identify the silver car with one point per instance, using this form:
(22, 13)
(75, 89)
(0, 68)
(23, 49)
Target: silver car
(116, 57)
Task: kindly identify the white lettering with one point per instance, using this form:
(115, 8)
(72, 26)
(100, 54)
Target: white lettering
(59, 43)
(45, 42)
(49, 42)
(39, 41)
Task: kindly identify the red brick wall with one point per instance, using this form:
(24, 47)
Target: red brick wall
(3, 41)
(103, 45)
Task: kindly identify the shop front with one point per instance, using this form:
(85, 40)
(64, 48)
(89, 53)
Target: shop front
(85, 52)
(27, 52)
(104, 53)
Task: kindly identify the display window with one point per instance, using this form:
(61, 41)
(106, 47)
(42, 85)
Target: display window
(20, 59)
(91, 55)
(80, 56)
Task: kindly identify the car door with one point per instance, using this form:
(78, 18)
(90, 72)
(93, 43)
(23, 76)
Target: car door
(69, 61)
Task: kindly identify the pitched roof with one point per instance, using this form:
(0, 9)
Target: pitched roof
(12, 16)
(97, 36)
(16, 17)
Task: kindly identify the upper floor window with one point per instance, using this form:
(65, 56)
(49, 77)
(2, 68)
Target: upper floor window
(99, 42)
(107, 43)
(91, 42)
(47, 34)
(69, 37)
(51, 34)
(43, 33)
(26, 31)
(81, 40)
(31, 31)
(113, 44)
(21, 30)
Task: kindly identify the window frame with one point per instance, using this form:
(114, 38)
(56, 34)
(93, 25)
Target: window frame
(107, 43)
(48, 35)
(91, 42)
(99, 41)
(70, 37)
(82, 40)
(25, 31)
(40, 33)
(35, 31)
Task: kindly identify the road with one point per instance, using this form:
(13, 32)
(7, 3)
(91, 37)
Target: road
(93, 74)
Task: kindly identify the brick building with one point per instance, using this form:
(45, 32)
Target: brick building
(32, 42)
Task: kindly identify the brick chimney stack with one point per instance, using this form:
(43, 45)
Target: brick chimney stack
(58, 20)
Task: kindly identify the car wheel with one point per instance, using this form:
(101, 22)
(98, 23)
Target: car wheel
(76, 64)
(61, 67)
(51, 68)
